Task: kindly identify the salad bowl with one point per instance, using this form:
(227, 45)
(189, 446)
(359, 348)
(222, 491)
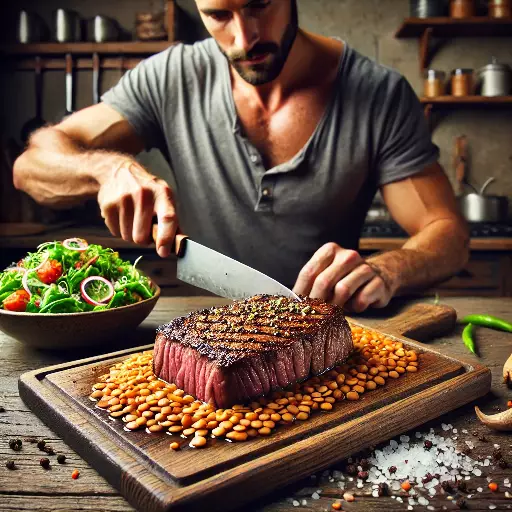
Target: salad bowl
(72, 294)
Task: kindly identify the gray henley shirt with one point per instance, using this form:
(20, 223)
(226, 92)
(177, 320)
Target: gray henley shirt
(372, 132)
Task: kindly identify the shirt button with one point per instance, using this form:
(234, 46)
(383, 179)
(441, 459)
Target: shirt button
(266, 192)
(254, 158)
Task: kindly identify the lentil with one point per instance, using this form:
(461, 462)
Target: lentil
(75, 474)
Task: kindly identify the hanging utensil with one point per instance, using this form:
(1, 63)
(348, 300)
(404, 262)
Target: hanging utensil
(95, 78)
(36, 122)
(486, 184)
(69, 86)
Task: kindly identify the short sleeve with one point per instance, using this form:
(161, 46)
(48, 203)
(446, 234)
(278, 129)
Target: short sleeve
(139, 97)
(405, 144)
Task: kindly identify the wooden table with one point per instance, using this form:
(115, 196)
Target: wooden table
(32, 488)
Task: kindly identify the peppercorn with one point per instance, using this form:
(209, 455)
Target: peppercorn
(364, 464)
(61, 459)
(428, 444)
(461, 485)
(45, 462)
(383, 489)
(351, 469)
(49, 450)
(363, 475)
(447, 486)
(392, 469)
(2, 409)
(503, 464)
(475, 434)
(461, 503)
(15, 444)
(428, 478)
(10, 464)
(41, 445)
(496, 454)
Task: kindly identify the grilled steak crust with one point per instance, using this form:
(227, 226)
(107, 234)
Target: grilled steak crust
(230, 354)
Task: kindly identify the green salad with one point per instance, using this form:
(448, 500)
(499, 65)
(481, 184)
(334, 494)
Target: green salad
(71, 277)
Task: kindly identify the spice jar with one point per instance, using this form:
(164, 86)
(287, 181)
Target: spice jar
(500, 9)
(462, 8)
(462, 82)
(428, 8)
(434, 84)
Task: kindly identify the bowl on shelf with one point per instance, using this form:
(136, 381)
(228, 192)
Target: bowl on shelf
(70, 330)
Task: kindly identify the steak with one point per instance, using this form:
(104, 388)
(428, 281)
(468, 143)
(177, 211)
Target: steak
(231, 354)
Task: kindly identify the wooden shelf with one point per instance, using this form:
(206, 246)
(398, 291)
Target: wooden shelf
(426, 28)
(467, 100)
(113, 48)
(479, 26)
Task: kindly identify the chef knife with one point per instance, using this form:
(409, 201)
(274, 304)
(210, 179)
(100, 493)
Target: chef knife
(210, 270)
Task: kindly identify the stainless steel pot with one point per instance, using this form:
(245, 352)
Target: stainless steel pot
(67, 26)
(31, 28)
(480, 208)
(102, 29)
(495, 79)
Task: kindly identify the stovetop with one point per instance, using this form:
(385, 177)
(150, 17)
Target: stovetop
(477, 230)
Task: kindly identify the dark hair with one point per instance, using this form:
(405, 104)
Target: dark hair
(295, 13)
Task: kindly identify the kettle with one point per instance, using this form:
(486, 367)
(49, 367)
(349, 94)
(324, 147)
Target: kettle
(477, 207)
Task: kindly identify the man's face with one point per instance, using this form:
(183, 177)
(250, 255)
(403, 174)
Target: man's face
(254, 35)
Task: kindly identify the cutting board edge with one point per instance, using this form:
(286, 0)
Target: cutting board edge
(31, 388)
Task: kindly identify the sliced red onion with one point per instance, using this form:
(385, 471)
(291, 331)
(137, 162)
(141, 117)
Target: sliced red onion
(90, 300)
(81, 244)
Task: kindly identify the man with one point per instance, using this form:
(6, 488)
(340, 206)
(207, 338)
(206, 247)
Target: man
(278, 140)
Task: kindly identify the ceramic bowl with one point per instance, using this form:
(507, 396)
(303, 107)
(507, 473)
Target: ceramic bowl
(69, 330)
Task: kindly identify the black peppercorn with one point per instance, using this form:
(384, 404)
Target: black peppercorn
(447, 486)
(49, 450)
(461, 503)
(503, 464)
(15, 444)
(41, 445)
(45, 462)
(61, 458)
(363, 475)
(428, 444)
(392, 469)
(364, 464)
(2, 409)
(10, 464)
(351, 469)
(383, 489)
(461, 485)
(496, 454)
(428, 478)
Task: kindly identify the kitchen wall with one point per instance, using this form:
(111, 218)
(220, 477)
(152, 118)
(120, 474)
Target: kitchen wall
(367, 25)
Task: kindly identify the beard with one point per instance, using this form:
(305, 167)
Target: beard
(264, 72)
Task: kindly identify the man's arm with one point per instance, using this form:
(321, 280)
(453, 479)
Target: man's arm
(425, 206)
(91, 154)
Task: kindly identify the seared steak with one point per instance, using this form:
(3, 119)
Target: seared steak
(230, 354)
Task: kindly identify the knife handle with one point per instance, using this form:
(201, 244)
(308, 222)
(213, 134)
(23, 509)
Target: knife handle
(178, 246)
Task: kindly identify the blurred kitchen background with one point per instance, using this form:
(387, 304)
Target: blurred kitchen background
(456, 54)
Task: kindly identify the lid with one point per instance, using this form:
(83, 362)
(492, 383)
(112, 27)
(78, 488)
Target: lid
(495, 66)
(434, 73)
(462, 71)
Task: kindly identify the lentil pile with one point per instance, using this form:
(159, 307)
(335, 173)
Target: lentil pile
(132, 393)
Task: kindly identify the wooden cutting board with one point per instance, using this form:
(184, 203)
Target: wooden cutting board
(226, 475)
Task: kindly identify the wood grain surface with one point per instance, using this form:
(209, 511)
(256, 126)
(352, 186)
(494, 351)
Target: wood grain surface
(55, 490)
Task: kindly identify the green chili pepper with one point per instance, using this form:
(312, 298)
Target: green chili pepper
(467, 338)
(488, 321)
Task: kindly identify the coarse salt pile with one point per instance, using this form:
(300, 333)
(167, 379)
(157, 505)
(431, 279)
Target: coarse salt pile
(412, 460)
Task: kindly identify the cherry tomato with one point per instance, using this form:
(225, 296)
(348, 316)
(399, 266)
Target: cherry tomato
(50, 271)
(17, 301)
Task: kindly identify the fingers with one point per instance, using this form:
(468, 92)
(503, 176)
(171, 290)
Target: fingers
(167, 222)
(319, 262)
(345, 288)
(344, 263)
(143, 215)
(374, 293)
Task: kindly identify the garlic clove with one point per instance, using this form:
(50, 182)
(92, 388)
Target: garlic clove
(500, 421)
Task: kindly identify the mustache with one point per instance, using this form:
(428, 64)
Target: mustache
(257, 49)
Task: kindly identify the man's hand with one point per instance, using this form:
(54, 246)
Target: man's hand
(129, 198)
(342, 277)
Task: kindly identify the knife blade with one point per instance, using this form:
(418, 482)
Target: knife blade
(210, 270)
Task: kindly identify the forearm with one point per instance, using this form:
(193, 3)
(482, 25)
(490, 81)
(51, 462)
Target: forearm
(432, 255)
(56, 171)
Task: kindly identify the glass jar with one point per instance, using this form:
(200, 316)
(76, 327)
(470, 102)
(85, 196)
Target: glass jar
(462, 8)
(462, 82)
(434, 84)
(500, 9)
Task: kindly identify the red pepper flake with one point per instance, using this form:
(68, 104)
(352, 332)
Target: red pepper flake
(493, 486)
(75, 474)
